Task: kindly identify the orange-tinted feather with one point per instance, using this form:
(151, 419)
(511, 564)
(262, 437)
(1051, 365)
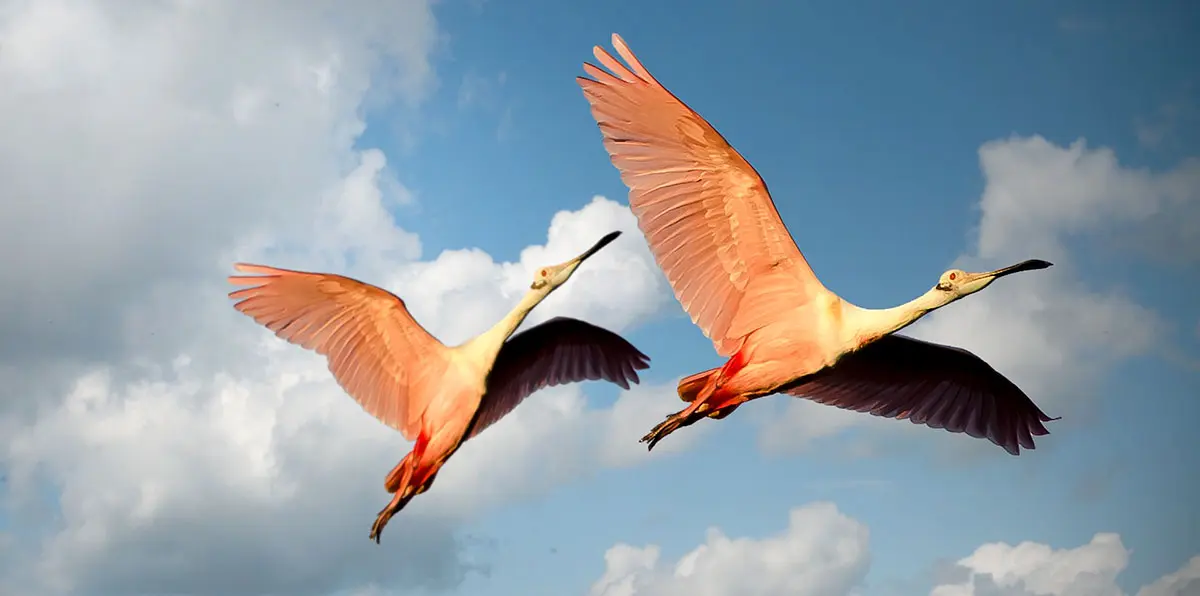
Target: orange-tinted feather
(377, 352)
(705, 212)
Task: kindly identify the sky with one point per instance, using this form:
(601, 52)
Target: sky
(155, 441)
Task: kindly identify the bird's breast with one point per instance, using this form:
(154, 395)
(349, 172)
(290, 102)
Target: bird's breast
(459, 391)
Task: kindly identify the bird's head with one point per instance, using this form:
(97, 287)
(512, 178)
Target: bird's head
(956, 283)
(551, 277)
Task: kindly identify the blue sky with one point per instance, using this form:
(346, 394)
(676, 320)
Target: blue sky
(867, 120)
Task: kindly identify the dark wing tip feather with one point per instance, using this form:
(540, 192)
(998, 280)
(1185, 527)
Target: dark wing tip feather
(559, 351)
(932, 385)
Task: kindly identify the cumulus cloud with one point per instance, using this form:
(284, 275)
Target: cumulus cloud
(617, 287)
(154, 440)
(824, 552)
(1185, 582)
(1033, 569)
(1040, 195)
(1051, 332)
(821, 552)
(194, 478)
(136, 128)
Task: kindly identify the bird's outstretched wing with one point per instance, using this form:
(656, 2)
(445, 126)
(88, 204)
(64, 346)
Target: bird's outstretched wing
(705, 212)
(377, 352)
(931, 384)
(556, 352)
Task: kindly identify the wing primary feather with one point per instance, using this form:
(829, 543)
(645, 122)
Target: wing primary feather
(559, 351)
(930, 384)
(366, 334)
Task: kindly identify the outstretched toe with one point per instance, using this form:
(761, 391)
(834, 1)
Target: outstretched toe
(381, 520)
(663, 429)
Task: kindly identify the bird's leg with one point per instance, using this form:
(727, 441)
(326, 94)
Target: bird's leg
(716, 404)
(709, 400)
(673, 422)
(403, 477)
(664, 428)
(413, 480)
(399, 500)
(722, 412)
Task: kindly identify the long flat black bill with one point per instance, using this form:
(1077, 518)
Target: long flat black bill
(599, 245)
(1029, 265)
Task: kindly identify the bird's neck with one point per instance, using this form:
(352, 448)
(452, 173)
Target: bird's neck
(870, 324)
(486, 346)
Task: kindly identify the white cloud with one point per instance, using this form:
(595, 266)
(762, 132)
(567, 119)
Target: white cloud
(222, 465)
(142, 138)
(1185, 582)
(1049, 331)
(821, 553)
(1040, 195)
(617, 287)
(825, 553)
(1033, 569)
(153, 439)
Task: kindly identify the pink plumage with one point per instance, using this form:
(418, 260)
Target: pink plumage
(436, 396)
(713, 229)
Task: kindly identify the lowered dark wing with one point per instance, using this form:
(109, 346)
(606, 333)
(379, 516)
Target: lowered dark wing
(931, 384)
(559, 351)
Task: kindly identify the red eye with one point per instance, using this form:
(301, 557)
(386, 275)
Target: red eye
(544, 272)
(953, 276)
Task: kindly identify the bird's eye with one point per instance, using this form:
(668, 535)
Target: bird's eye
(953, 276)
(544, 272)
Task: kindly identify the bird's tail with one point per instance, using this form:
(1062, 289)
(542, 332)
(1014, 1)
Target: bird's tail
(692, 386)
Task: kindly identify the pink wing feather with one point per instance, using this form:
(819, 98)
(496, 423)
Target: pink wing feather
(931, 384)
(377, 352)
(559, 351)
(704, 210)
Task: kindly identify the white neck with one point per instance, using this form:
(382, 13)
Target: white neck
(869, 324)
(486, 345)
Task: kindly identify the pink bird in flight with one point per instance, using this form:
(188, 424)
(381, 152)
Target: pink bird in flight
(732, 264)
(436, 395)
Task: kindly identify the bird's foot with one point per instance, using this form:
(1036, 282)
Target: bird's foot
(664, 428)
(381, 520)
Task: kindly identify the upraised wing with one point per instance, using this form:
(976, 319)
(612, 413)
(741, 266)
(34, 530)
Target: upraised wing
(377, 352)
(705, 212)
(559, 351)
(931, 384)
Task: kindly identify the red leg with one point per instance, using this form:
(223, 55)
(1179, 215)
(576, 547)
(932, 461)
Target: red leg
(408, 479)
(709, 401)
(399, 500)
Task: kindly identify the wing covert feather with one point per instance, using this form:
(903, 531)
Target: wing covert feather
(377, 352)
(705, 212)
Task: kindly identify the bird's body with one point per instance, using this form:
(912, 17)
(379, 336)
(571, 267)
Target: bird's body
(437, 396)
(714, 230)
